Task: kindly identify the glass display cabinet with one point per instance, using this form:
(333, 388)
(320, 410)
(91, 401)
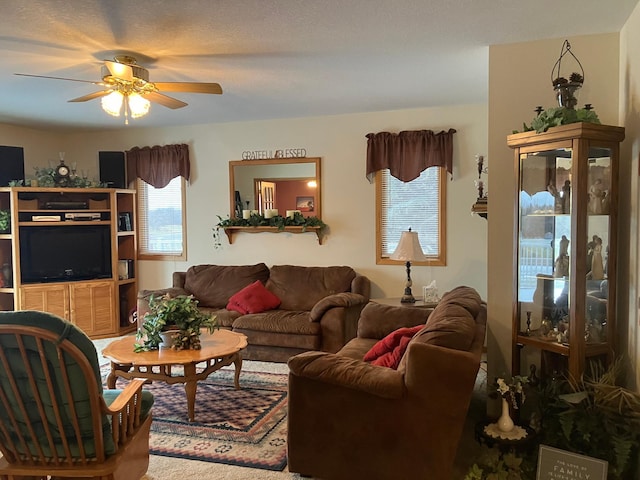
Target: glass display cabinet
(565, 247)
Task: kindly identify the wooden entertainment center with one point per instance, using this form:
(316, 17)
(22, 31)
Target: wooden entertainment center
(98, 300)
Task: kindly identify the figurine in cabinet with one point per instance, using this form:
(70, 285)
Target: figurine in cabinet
(562, 262)
(566, 196)
(597, 265)
(597, 197)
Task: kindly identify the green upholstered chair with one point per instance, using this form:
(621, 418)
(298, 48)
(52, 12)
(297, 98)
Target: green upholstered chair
(55, 418)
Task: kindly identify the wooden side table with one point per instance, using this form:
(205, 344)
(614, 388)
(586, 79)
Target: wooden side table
(395, 302)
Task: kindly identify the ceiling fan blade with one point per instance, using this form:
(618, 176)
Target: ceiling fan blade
(59, 78)
(164, 100)
(120, 70)
(91, 96)
(192, 87)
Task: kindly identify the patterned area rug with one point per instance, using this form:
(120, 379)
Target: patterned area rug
(246, 427)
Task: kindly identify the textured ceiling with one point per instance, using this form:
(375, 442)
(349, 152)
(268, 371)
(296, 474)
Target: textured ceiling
(273, 58)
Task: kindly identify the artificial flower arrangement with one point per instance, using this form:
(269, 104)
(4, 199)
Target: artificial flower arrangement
(512, 392)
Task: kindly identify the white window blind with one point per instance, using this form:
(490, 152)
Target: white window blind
(161, 219)
(416, 204)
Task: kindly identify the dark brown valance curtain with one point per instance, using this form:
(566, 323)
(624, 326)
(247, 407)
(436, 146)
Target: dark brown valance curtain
(408, 153)
(158, 165)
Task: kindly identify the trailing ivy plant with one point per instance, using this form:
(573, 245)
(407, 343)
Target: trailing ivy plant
(257, 220)
(553, 117)
(494, 464)
(596, 417)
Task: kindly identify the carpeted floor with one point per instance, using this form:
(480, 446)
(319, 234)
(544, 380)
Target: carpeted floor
(171, 468)
(246, 427)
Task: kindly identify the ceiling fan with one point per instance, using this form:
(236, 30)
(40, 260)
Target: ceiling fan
(128, 83)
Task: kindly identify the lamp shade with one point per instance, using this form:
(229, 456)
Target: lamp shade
(408, 249)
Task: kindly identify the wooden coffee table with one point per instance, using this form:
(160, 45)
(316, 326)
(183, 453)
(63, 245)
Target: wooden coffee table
(218, 350)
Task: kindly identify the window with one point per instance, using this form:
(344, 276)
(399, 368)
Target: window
(161, 219)
(419, 204)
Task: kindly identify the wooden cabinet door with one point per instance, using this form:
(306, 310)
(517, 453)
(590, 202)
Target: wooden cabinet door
(93, 307)
(52, 298)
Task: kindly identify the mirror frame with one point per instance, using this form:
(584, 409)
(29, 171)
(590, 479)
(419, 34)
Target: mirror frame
(275, 161)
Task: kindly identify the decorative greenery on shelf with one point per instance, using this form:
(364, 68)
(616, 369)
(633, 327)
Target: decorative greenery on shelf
(46, 178)
(174, 313)
(257, 220)
(553, 117)
(5, 221)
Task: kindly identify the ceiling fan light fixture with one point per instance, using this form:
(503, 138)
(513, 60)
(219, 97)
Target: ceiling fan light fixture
(112, 103)
(138, 105)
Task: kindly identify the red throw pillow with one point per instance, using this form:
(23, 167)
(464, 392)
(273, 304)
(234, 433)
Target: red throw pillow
(253, 298)
(389, 351)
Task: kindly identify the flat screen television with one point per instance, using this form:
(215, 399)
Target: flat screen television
(65, 253)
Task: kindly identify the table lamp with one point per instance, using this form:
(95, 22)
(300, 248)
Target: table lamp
(408, 250)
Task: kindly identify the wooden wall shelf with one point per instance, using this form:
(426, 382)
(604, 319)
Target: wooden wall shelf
(480, 208)
(231, 231)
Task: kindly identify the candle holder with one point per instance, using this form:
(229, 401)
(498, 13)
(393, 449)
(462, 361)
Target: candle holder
(480, 207)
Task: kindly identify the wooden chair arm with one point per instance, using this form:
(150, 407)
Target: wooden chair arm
(125, 412)
(133, 387)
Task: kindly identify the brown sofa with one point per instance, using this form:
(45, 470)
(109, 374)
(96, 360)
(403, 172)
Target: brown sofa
(319, 306)
(349, 419)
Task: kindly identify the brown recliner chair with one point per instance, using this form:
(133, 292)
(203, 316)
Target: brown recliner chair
(349, 419)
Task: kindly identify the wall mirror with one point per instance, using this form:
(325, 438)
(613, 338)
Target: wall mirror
(279, 183)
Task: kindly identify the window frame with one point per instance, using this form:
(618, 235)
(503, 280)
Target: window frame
(140, 185)
(433, 260)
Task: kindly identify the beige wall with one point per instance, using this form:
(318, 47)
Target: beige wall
(40, 147)
(520, 80)
(630, 118)
(347, 197)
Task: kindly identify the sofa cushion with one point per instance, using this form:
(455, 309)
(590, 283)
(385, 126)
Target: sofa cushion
(279, 328)
(278, 321)
(378, 320)
(452, 323)
(300, 288)
(224, 317)
(389, 351)
(466, 297)
(254, 298)
(213, 285)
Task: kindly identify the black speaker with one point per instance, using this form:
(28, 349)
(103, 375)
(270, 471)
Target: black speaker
(11, 164)
(113, 171)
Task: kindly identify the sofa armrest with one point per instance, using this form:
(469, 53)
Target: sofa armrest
(345, 299)
(430, 365)
(348, 373)
(178, 279)
(361, 285)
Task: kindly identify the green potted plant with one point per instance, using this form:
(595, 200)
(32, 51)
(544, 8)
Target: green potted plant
(180, 316)
(494, 464)
(594, 416)
(5, 221)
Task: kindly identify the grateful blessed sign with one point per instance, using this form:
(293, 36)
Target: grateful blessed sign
(279, 153)
(555, 464)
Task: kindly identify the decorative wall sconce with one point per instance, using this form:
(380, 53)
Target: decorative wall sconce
(480, 207)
